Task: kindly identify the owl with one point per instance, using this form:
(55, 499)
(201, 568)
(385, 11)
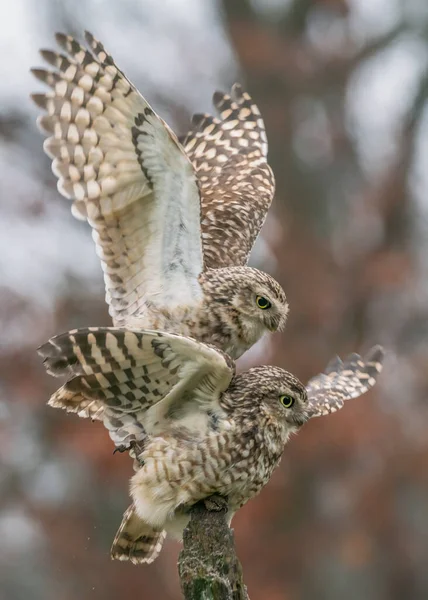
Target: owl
(173, 222)
(194, 426)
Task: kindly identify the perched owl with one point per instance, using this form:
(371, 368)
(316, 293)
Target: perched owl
(196, 428)
(173, 225)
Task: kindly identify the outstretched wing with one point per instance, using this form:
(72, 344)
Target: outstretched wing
(342, 381)
(118, 375)
(229, 154)
(128, 176)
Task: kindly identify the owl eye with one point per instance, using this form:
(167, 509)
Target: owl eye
(287, 401)
(263, 303)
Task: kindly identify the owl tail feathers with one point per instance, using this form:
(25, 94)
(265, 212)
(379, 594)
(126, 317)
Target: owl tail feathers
(72, 401)
(136, 540)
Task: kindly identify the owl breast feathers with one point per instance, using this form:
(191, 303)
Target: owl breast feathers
(195, 427)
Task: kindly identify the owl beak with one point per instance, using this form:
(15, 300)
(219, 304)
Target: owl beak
(273, 324)
(301, 419)
(277, 322)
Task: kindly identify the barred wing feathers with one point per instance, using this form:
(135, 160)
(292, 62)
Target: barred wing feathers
(118, 375)
(229, 154)
(127, 175)
(343, 380)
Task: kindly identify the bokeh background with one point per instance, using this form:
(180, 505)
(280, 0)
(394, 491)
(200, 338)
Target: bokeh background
(342, 86)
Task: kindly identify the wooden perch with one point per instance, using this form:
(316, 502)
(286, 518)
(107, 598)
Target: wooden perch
(208, 566)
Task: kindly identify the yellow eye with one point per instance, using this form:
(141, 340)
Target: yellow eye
(287, 401)
(263, 303)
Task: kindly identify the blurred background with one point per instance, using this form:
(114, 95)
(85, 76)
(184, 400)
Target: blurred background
(342, 86)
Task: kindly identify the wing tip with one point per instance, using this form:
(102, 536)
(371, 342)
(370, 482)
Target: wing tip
(40, 100)
(89, 37)
(376, 354)
(39, 73)
(49, 56)
(237, 89)
(62, 39)
(364, 368)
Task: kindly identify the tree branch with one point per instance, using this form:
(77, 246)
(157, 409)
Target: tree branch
(208, 566)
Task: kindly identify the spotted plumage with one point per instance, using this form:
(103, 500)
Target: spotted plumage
(229, 154)
(171, 224)
(339, 381)
(194, 427)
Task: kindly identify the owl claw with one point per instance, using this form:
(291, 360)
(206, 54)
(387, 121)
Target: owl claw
(135, 447)
(216, 503)
(135, 450)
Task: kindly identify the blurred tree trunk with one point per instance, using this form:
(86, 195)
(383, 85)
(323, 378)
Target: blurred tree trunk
(208, 566)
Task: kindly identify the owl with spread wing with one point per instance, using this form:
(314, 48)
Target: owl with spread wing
(194, 426)
(173, 223)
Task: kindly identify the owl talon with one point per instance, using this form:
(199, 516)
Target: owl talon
(216, 503)
(120, 449)
(135, 450)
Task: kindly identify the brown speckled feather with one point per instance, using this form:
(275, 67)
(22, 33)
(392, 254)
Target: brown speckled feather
(343, 380)
(229, 154)
(135, 540)
(127, 175)
(117, 375)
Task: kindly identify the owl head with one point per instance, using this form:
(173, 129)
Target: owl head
(274, 395)
(252, 297)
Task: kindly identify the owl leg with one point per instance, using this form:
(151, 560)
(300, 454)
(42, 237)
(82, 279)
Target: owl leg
(136, 540)
(135, 450)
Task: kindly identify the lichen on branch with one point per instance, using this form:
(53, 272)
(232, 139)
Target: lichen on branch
(208, 566)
